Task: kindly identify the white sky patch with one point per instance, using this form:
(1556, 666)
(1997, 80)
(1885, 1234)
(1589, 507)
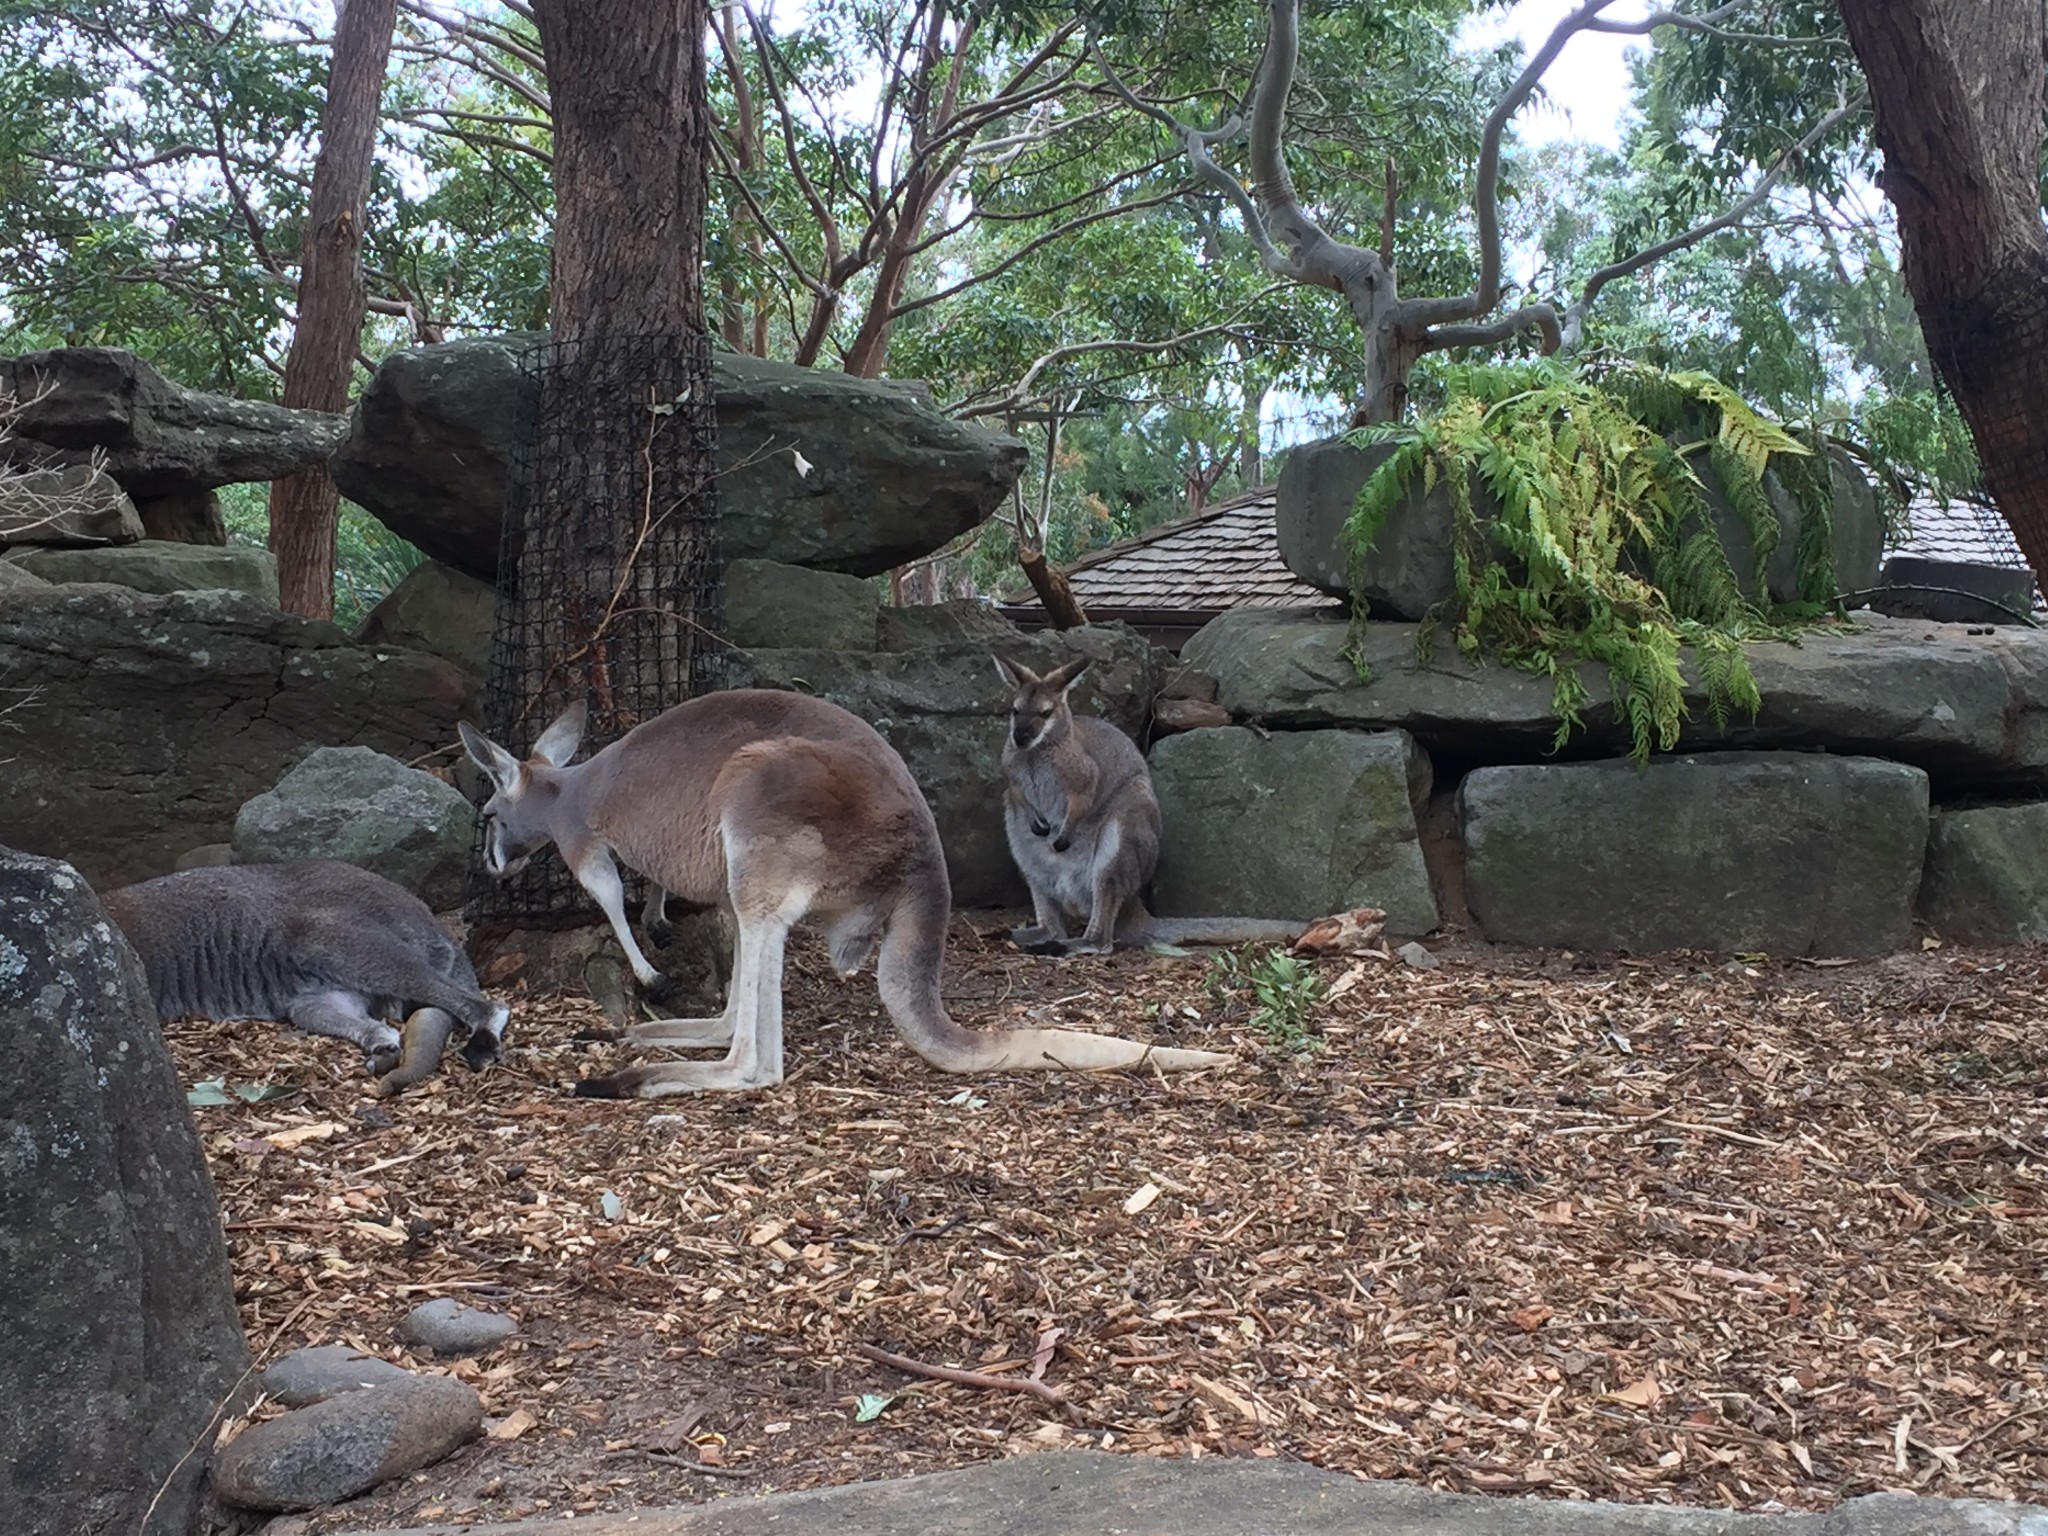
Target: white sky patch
(1586, 89)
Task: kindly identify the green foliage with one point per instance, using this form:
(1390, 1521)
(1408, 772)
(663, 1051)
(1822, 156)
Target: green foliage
(1581, 531)
(369, 559)
(1283, 987)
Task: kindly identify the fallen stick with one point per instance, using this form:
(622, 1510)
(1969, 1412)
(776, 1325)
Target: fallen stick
(960, 1378)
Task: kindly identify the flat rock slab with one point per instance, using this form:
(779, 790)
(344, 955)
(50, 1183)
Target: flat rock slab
(790, 607)
(156, 565)
(340, 1447)
(1292, 825)
(1791, 853)
(1970, 709)
(1084, 1493)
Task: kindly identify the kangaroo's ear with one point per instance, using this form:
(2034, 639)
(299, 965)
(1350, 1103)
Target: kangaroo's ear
(558, 743)
(499, 766)
(1066, 674)
(1015, 673)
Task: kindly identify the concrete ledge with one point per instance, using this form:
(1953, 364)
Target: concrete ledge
(1084, 1493)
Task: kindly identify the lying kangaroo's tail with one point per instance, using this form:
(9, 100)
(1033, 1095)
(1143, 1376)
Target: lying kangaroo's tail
(1143, 928)
(913, 952)
(425, 1034)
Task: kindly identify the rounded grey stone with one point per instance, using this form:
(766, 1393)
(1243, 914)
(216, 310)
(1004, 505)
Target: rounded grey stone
(313, 1375)
(345, 1445)
(449, 1328)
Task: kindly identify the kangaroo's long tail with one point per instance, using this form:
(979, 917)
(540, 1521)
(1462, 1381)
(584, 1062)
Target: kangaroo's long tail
(907, 970)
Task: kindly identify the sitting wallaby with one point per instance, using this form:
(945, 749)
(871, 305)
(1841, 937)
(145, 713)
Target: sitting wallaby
(1083, 826)
(784, 807)
(335, 949)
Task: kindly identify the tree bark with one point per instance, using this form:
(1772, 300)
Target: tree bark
(304, 507)
(631, 158)
(1956, 87)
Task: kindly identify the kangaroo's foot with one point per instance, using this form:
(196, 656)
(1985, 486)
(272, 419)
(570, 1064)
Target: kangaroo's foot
(653, 1082)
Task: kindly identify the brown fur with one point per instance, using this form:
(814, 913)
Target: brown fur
(786, 808)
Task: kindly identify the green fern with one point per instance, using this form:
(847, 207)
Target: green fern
(1593, 540)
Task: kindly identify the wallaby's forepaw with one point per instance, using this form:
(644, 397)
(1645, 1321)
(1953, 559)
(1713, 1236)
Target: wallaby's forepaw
(1063, 842)
(1040, 827)
(481, 1049)
(660, 990)
(382, 1059)
(658, 931)
(599, 1088)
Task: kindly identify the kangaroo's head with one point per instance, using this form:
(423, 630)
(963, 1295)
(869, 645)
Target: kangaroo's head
(518, 818)
(1039, 712)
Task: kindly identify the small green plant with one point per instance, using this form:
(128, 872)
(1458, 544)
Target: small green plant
(1283, 990)
(1599, 546)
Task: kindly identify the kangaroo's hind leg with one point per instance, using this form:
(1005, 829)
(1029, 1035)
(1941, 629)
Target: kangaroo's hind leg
(416, 969)
(346, 1016)
(1116, 879)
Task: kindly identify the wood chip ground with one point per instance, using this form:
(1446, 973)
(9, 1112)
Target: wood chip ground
(1749, 1234)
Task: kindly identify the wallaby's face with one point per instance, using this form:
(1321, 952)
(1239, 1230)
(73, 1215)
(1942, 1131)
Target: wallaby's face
(1039, 710)
(517, 820)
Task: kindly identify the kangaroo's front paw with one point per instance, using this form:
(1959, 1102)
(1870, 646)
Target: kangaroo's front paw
(658, 931)
(381, 1059)
(481, 1049)
(659, 990)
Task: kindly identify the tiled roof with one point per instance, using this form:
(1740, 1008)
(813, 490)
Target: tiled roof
(1225, 556)
(1229, 557)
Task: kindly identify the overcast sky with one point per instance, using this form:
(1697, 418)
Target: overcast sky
(1588, 85)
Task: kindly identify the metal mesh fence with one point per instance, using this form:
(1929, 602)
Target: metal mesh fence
(608, 574)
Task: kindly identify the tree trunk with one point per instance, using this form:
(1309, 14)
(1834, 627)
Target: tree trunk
(1956, 87)
(626, 78)
(304, 507)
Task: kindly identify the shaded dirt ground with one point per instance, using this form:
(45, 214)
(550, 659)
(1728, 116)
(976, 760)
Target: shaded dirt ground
(1690, 1230)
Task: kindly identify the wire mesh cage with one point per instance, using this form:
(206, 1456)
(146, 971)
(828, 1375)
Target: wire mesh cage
(608, 573)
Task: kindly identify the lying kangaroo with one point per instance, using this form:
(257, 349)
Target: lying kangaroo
(332, 948)
(1083, 826)
(785, 807)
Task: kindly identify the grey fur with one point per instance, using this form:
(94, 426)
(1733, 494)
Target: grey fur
(334, 949)
(1083, 825)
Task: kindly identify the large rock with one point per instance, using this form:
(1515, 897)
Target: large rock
(14, 579)
(76, 507)
(1409, 569)
(155, 565)
(147, 720)
(944, 707)
(788, 607)
(115, 1298)
(347, 1444)
(369, 810)
(155, 437)
(1292, 825)
(963, 621)
(1969, 709)
(1987, 874)
(440, 611)
(1791, 853)
(890, 478)
(1955, 591)
(318, 1372)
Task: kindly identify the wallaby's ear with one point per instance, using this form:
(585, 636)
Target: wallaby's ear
(500, 766)
(1015, 673)
(1067, 674)
(558, 743)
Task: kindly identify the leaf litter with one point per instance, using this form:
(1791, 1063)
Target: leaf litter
(1782, 1247)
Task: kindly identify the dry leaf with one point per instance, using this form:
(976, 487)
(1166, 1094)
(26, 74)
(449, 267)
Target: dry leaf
(1639, 1394)
(513, 1425)
(298, 1135)
(1141, 1199)
(1529, 1319)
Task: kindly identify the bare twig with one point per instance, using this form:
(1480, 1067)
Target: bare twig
(962, 1378)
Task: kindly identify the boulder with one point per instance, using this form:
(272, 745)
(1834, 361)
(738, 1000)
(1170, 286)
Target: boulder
(944, 707)
(440, 611)
(155, 437)
(964, 621)
(369, 810)
(312, 1375)
(69, 508)
(148, 720)
(115, 1298)
(447, 1327)
(890, 478)
(1968, 709)
(14, 579)
(1987, 874)
(1409, 569)
(347, 1444)
(788, 607)
(1954, 591)
(155, 565)
(1292, 825)
(1785, 852)
(205, 856)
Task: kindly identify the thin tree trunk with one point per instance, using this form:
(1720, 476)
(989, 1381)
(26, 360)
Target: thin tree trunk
(631, 156)
(1956, 87)
(305, 507)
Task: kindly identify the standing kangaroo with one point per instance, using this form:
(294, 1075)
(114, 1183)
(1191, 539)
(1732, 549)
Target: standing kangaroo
(1083, 826)
(330, 947)
(784, 807)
